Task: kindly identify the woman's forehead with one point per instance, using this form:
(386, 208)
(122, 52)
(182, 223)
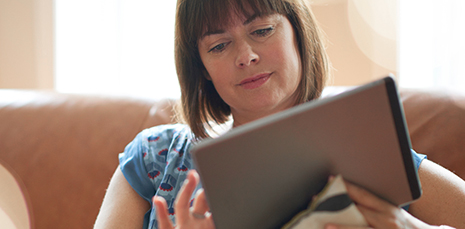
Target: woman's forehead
(216, 16)
(233, 22)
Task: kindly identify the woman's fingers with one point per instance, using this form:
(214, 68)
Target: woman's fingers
(380, 213)
(186, 217)
(375, 217)
(200, 206)
(163, 218)
(365, 198)
(182, 203)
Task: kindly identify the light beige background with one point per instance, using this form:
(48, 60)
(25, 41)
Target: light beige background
(26, 44)
(361, 34)
(362, 38)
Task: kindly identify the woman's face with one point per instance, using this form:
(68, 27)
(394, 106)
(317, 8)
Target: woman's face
(254, 65)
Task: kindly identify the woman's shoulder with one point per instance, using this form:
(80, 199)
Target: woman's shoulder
(157, 140)
(154, 152)
(165, 133)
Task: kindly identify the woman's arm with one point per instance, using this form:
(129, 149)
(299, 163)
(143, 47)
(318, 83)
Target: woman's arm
(442, 203)
(122, 207)
(443, 198)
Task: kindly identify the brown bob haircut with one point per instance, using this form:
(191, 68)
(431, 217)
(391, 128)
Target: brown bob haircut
(200, 102)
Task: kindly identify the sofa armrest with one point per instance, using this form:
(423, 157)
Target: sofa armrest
(64, 148)
(436, 122)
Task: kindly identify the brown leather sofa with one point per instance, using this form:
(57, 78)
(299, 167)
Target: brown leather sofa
(62, 149)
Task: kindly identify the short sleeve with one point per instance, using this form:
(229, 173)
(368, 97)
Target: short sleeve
(417, 159)
(133, 166)
(156, 162)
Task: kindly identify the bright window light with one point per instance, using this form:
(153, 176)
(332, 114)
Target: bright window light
(123, 47)
(431, 44)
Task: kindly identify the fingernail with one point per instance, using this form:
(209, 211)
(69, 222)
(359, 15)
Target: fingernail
(198, 192)
(155, 198)
(186, 181)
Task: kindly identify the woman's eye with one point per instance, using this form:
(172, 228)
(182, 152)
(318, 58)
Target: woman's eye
(218, 48)
(263, 32)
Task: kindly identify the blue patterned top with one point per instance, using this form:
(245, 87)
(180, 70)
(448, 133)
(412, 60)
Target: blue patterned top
(156, 162)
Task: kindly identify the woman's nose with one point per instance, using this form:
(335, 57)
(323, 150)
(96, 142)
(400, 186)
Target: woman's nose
(246, 56)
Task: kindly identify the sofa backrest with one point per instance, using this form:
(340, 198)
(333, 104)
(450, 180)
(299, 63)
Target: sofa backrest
(63, 149)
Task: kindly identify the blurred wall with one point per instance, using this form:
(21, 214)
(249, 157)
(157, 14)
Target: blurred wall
(362, 38)
(26, 44)
(361, 33)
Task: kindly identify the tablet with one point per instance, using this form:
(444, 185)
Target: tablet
(261, 174)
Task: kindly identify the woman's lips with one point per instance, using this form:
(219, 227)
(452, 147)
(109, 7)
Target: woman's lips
(255, 81)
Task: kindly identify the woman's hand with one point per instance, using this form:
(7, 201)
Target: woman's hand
(197, 216)
(379, 213)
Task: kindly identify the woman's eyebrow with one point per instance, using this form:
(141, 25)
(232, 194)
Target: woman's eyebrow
(208, 33)
(250, 19)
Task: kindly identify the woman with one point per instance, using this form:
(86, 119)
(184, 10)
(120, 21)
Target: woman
(244, 60)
